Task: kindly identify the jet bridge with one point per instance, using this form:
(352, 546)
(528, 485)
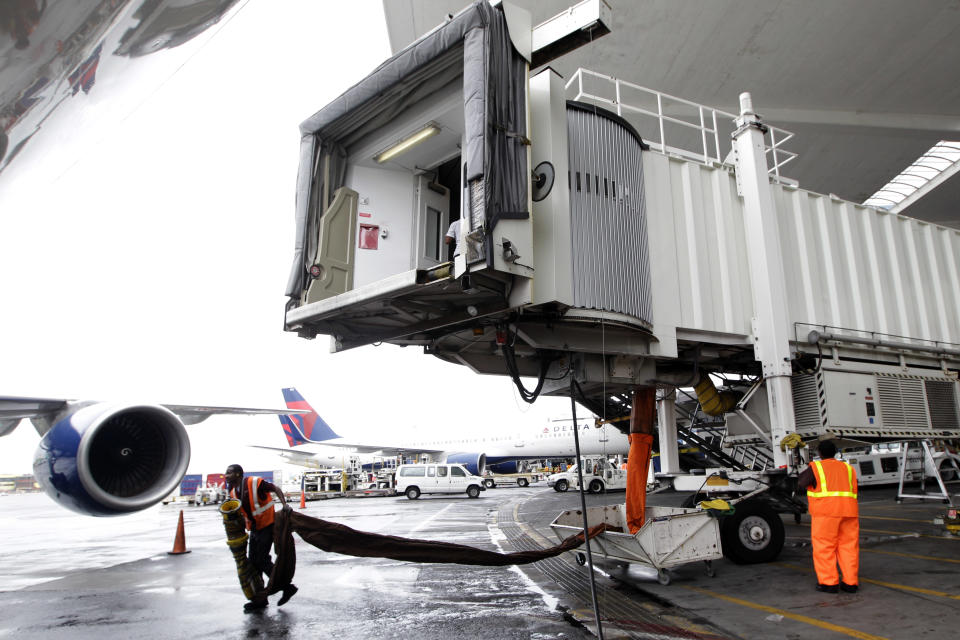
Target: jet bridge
(613, 236)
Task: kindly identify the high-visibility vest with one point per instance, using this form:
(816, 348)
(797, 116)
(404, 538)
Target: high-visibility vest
(262, 511)
(835, 491)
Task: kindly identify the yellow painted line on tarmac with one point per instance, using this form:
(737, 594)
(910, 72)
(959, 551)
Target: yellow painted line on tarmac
(891, 585)
(901, 507)
(910, 555)
(903, 587)
(900, 533)
(927, 520)
(853, 633)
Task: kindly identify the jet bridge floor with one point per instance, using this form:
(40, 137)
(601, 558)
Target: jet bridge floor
(399, 308)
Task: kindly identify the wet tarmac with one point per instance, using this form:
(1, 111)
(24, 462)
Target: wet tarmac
(67, 576)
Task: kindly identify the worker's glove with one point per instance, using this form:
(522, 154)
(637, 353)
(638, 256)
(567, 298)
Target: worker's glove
(791, 441)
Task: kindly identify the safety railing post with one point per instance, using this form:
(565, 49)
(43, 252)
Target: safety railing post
(703, 135)
(663, 135)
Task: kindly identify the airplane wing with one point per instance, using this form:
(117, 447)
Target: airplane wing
(385, 450)
(82, 442)
(294, 456)
(13, 409)
(193, 414)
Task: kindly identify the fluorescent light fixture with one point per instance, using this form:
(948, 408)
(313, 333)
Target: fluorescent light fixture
(926, 173)
(408, 142)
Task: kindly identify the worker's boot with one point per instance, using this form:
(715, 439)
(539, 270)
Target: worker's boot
(257, 604)
(849, 588)
(828, 588)
(288, 592)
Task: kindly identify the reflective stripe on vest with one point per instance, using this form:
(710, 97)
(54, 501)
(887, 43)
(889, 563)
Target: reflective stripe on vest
(253, 490)
(822, 483)
(262, 514)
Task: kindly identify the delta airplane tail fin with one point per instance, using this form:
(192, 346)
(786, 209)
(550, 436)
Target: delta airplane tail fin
(304, 427)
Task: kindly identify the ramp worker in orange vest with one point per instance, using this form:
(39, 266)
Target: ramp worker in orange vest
(835, 520)
(256, 505)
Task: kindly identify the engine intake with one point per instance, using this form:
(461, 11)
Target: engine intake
(475, 463)
(108, 459)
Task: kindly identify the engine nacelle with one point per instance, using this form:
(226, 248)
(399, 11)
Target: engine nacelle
(475, 463)
(109, 459)
(506, 466)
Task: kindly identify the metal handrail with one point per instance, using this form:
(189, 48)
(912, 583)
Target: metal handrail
(709, 150)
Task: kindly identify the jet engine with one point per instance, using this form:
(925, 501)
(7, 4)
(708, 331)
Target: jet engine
(475, 463)
(506, 466)
(108, 459)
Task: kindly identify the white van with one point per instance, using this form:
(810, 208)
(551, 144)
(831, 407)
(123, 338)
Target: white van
(414, 479)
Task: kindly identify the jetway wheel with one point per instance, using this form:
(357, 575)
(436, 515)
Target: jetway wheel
(663, 577)
(947, 471)
(753, 534)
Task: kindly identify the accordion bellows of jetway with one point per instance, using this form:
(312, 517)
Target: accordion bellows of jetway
(586, 253)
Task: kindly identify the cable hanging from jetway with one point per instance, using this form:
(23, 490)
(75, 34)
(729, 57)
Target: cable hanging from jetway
(509, 357)
(583, 504)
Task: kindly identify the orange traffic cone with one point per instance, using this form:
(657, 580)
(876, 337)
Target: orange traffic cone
(180, 541)
(303, 499)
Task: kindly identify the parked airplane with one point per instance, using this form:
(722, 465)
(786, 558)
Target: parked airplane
(109, 458)
(314, 444)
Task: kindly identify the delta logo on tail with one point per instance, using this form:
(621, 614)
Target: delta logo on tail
(303, 428)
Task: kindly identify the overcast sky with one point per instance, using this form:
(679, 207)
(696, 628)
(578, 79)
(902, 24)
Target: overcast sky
(146, 237)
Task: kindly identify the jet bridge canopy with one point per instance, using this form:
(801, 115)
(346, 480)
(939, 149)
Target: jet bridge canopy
(438, 130)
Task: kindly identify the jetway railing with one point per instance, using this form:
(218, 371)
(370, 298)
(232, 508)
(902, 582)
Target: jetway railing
(694, 130)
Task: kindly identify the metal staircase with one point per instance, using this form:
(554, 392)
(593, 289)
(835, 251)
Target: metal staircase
(707, 433)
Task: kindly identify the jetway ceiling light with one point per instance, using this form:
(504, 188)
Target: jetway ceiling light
(407, 143)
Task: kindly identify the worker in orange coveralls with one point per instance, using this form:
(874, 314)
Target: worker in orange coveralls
(642, 416)
(835, 520)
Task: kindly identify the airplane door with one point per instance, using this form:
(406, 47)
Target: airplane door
(433, 220)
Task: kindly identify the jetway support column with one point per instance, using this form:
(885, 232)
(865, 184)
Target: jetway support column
(642, 414)
(667, 422)
(771, 329)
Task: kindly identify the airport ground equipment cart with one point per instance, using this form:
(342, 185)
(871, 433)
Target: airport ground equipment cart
(669, 537)
(491, 480)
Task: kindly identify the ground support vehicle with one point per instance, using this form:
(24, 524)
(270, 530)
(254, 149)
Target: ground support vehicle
(334, 480)
(598, 476)
(491, 480)
(413, 480)
(209, 495)
(882, 463)
(669, 537)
